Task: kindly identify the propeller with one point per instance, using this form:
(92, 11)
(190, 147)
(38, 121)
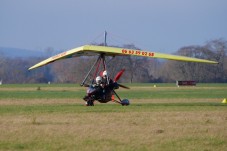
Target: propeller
(117, 77)
(123, 86)
(119, 74)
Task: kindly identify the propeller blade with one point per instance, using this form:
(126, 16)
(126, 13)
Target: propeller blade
(119, 74)
(123, 86)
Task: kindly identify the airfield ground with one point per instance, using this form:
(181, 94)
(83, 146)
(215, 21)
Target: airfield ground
(52, 117)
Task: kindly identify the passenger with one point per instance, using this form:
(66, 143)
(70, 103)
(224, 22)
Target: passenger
(107, 83)
(105, 78)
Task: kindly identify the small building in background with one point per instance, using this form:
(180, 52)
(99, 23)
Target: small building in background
(186, 83)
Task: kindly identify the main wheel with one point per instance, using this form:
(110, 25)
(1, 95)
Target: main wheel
(90, 103)
(125, 102)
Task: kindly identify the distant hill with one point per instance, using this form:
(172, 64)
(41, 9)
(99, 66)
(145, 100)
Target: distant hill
(21, 53)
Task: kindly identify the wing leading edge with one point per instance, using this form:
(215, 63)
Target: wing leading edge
(91, 50)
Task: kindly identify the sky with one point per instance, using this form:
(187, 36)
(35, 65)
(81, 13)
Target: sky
(153, 25)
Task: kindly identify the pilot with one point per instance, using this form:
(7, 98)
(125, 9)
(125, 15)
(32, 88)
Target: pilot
(94, 91)
(96, 88)
(99, 87)
(98, 81)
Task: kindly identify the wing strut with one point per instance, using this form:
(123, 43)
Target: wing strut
(100, 59)
(82, 84)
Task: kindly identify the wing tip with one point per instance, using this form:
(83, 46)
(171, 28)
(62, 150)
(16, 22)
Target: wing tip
(31, 68)
(213, 62)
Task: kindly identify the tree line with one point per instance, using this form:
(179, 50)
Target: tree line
(137, 69)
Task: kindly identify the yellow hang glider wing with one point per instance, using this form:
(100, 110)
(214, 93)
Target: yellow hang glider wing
(91, 50)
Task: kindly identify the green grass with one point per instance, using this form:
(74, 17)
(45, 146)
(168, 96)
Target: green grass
(131, 94)
(37, 85)
(147, 91)
(41, 94)
(161, 118)
(110, 108)
(100, 108)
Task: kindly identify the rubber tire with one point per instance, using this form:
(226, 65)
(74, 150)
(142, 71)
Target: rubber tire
(125, 102)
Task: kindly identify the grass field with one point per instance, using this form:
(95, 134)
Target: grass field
(53, 117)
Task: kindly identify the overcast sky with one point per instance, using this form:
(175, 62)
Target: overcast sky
(155, 25)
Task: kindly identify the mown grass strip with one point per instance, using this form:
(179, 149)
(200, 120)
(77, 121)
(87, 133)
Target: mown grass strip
(41, 94)
(147, 93)
(102, 108)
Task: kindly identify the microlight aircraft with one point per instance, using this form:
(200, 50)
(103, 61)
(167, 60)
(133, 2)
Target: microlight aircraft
(101, 52)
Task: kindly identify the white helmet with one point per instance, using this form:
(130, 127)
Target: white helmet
(104, 73)
(98, 79)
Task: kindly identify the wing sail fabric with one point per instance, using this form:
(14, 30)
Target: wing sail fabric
(91, 50)
(113, 51)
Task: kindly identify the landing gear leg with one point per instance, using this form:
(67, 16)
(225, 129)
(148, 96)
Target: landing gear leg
(124, 102)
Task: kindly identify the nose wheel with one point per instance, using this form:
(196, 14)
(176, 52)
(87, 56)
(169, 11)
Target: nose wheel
(125, 102)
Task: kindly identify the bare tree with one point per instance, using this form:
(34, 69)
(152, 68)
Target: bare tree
(214, 50)
(219, 47)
